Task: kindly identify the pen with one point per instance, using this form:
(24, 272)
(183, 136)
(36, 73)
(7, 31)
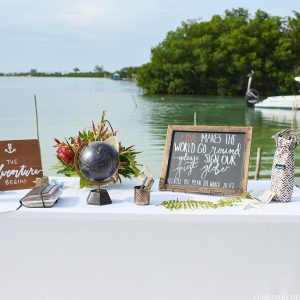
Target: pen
(149, 184)
(143, 183)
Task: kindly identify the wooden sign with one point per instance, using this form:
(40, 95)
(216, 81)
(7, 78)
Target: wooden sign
(20, 164)
(206, 159)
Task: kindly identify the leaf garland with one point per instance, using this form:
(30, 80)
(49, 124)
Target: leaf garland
(176, 204)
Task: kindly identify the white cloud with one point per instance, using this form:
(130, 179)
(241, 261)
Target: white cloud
(112, 13)
(87, 13)
(114, 33)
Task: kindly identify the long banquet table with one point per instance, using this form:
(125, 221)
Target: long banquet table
(124, 251)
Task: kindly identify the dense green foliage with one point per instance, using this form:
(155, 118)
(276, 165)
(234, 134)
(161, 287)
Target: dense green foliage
(128, 72)
(215, 57)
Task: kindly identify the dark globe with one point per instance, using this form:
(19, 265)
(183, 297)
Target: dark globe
(98, 161)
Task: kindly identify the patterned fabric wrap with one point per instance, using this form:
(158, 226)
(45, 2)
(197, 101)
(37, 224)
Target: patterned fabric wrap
(282, 179)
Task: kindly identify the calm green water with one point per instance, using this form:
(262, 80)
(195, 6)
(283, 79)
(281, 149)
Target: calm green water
(67, 105)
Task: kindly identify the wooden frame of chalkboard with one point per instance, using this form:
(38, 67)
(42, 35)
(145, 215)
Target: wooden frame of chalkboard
(206, 159)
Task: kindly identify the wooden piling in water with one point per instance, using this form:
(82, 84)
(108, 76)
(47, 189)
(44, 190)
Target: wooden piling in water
(133, 98)
(36, 118)
(258, 162)
(294, 115)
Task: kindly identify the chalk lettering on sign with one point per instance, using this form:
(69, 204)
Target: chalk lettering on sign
(22, 171)
(230, 151)
(228, 160)
(196, 182)
(202, 148)
(187, 163)
(214, 184)
(212, 158)
(214, 168)
(12, 161)
(230, 139)
(15, 181)
(214, 138)
(190, 137)
(20, 164)
(174, 181)
(205, 183)
(186, 181)
(185, 147)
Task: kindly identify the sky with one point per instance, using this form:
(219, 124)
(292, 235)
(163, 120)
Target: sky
(59, 35)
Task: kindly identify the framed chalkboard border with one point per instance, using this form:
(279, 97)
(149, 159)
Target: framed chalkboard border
(163, 186)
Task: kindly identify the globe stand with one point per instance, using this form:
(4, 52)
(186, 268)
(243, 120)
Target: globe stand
(98, 197)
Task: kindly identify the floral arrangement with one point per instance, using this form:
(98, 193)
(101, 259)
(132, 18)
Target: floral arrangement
(67, 150)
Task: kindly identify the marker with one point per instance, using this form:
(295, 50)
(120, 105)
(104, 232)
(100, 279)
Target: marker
(149, 184)
(143, 183)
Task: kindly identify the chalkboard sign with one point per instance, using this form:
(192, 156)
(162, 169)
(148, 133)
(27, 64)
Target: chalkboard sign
(206, 159)
(20, 164)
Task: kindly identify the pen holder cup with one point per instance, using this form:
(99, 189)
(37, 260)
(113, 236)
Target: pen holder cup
(141, 196)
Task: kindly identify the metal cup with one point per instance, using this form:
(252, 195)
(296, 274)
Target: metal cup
(141, 196)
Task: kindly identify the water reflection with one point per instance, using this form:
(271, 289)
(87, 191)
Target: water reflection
(229, 111)
(67, 105)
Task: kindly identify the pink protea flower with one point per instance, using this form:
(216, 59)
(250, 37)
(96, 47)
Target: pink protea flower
(64, 152)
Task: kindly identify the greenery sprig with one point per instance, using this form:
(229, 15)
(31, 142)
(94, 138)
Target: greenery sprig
(176, 204)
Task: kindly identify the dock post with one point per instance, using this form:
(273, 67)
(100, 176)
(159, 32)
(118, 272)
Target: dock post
(258, 162)
(294, 115)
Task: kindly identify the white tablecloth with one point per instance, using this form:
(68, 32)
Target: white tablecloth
(123, 251)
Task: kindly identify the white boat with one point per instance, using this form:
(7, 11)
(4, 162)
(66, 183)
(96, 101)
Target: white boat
(283, 116)
(280, 102)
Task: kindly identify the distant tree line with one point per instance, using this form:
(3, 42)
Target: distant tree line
(214, 57)
(126, 73)
(97, 72)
